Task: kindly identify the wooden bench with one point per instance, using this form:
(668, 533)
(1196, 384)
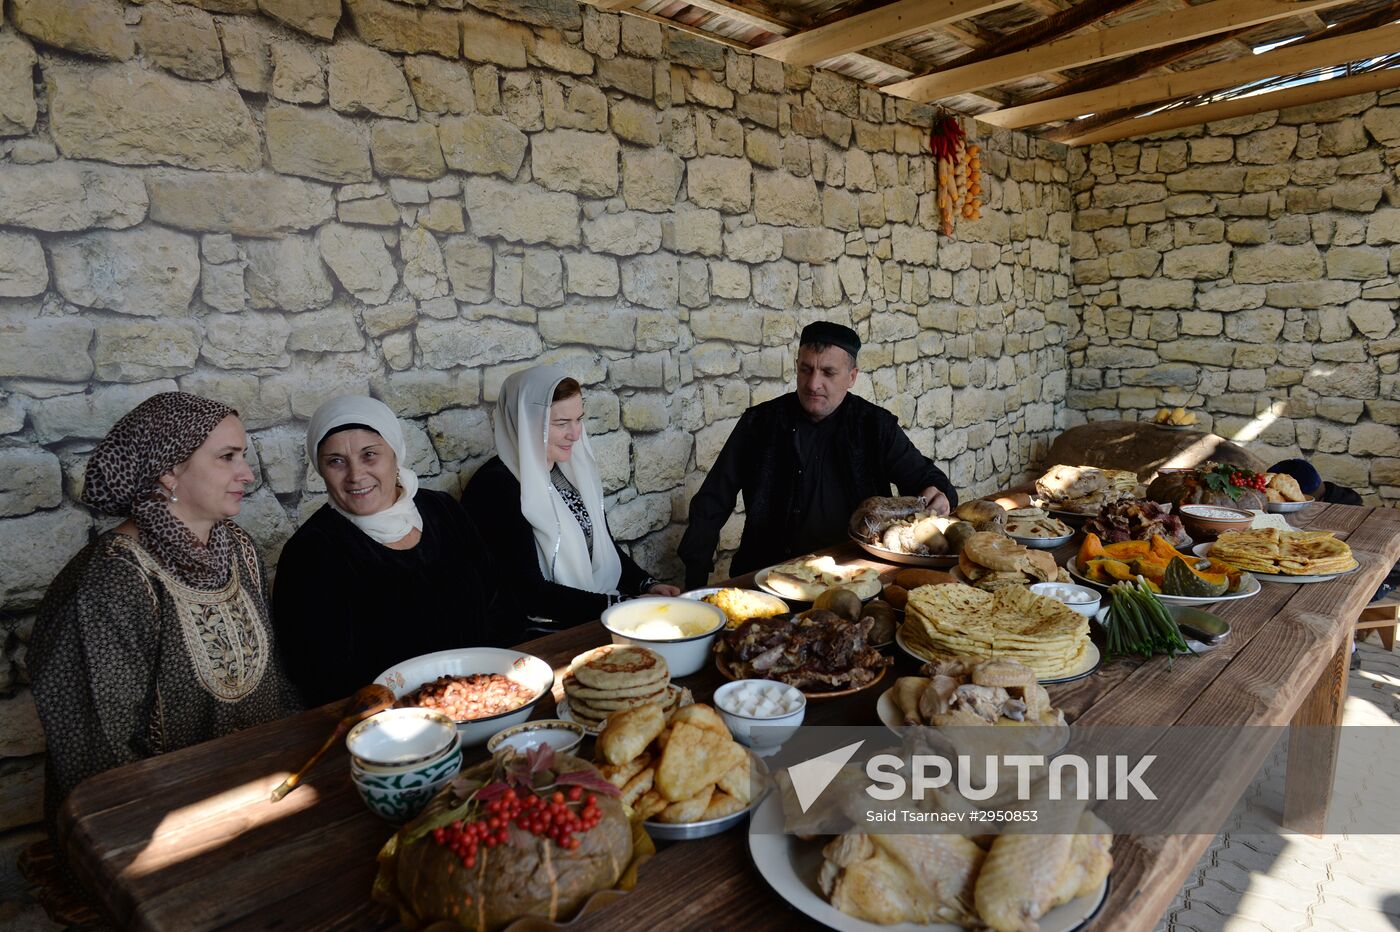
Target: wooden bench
(1382, 617)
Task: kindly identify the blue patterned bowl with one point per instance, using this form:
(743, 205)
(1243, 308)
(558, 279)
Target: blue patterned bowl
(401, 805)
(424, 775)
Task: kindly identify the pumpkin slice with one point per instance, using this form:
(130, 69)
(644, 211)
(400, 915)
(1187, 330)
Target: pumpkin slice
(1163, 550)
(1234, 574)
(1091, 549)
(1127, 550)
(1181, 578)
(1150, 569)
(1109, 570)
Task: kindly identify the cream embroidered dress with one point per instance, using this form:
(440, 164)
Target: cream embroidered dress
(129, 661)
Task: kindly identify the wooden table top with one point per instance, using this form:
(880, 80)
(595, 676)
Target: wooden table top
(189, 839)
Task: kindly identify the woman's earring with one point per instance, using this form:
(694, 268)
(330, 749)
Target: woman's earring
(172, 495)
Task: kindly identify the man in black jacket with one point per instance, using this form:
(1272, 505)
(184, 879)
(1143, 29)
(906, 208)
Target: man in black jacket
(804, 461)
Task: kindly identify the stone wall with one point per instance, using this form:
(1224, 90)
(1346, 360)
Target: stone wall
(1247, 270)
(272, 202)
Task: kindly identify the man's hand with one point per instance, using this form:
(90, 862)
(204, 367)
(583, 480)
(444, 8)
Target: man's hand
(664, 589)
(936, 500)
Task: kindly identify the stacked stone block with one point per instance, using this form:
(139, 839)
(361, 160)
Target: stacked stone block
(1248, 270)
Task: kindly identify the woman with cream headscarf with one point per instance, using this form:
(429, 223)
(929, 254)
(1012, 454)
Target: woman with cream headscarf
(383, 571)
(543, 499)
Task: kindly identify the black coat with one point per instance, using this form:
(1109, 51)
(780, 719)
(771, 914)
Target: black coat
(346, 607)
(492, 499)
(761, 460)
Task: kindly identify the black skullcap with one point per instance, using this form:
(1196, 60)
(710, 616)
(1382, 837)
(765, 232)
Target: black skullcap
(824, 331)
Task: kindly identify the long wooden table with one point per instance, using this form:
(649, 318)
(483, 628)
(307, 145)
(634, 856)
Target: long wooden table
(189, 840)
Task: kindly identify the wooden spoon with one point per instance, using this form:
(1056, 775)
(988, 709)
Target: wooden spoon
(364, 703)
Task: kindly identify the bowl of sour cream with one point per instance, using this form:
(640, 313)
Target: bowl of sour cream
(761, 714)
(1082, 599)
(682, 631)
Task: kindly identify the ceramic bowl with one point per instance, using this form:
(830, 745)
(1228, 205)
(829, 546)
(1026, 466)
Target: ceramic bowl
(399, 804)
(408, 779)
(1082, 599)
(763, 733)
(401, 739)
(561, 735)
(628, 623)
(1207, 522)
(527, 670)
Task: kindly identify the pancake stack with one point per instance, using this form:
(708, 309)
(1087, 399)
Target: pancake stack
(1284, 553)
(616, 677)
(944, 622)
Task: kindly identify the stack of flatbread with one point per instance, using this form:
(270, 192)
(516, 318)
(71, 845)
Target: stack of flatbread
(948, 621)
(1281, 487)
(1035, 523)
(808, 577)
(615, 677)
(1284, 553)
(992, 561)
(1085, 489)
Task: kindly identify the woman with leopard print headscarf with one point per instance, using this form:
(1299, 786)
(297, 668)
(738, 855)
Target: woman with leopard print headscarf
(156, 635)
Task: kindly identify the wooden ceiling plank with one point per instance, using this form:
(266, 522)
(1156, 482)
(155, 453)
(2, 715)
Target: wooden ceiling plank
(1073, 51)
(1288, 59)
(885, 24)
(1228, 109)
(754, 17)
(1052, 27)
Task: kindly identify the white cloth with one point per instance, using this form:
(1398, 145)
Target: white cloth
(522, 437)
(402, 517)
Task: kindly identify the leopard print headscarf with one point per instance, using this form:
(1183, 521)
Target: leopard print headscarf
(123, 476)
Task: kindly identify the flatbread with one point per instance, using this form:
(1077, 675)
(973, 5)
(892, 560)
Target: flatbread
(942, 622)
(1284, 553)
(619, 666)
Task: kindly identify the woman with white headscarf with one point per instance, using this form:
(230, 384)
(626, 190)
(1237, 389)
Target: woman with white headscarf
(382, 572)
(542, 497)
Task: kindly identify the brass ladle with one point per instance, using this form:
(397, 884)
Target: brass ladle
(364, 703)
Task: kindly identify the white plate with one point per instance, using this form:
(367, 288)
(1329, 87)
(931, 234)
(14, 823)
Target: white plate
(1250, 588)
(1286, 508)
(566, 712)
(760, 579)
(1201, 550)
(1043, 543)
(1092, 661)
(790, 866)
(888, 711)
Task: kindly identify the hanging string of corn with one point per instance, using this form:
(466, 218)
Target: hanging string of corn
(959, 173)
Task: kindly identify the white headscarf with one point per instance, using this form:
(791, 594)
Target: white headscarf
(522, 436)
(396, 521)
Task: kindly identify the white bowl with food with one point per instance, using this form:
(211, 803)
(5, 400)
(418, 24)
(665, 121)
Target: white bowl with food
(559, 734)
(482, 689)
(1082, 599)
(681, 630)
(398, 740)
(761, 714)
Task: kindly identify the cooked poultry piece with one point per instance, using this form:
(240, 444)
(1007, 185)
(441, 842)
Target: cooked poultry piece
(986, 702)
(901, 878)
(1026, 876)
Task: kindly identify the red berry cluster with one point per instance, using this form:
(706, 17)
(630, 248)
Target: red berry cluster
(547, 818)
(1248, 480)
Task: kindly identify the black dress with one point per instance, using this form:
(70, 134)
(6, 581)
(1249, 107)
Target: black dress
(492, 498)
(801, 481)
(346, 607)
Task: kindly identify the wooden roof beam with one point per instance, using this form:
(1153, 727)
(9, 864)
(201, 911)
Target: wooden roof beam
(1073, 51)
(883, 24)
(1288, 59)
(1228, 109)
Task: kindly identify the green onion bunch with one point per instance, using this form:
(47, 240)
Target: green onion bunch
(1138, 623)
